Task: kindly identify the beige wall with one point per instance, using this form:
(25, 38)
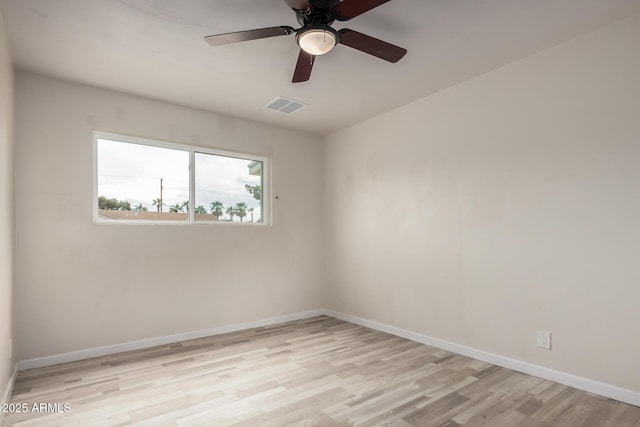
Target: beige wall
(6, 211)
(81, 285)
(501, 206)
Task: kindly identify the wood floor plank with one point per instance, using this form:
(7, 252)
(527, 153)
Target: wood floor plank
(313, 372)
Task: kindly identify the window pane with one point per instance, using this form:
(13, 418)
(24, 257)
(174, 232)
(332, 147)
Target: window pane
(140, 182)
(228, 189)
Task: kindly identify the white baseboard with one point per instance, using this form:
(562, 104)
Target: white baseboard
(6, 397)
(73, 356)
(592, 386)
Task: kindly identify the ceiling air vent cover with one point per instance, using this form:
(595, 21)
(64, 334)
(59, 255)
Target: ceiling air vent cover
(285, 105)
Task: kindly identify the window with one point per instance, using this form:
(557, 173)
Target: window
(138, 180)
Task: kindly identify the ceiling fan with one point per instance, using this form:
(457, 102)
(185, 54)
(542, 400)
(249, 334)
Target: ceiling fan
(316, 37)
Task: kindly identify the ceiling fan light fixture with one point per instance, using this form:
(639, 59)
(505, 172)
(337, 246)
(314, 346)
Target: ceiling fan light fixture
(317, 37)
(317, 40)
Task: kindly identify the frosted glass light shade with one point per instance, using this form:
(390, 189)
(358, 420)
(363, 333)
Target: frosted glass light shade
(317, 41)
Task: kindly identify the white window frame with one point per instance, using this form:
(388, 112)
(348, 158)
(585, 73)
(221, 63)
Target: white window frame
(192, 150)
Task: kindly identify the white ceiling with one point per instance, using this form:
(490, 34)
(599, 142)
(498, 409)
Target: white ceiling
(155, 48)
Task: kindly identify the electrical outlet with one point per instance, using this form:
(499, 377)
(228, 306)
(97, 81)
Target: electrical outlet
(544, 340)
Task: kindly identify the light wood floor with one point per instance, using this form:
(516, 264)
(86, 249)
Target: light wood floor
(316, 372)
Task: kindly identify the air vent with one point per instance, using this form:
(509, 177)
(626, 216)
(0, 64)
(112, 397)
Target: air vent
(285, 105)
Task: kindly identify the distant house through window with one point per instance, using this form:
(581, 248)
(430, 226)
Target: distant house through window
(140, 180)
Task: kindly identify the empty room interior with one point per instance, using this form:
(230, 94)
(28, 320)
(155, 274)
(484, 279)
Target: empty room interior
(320, 212)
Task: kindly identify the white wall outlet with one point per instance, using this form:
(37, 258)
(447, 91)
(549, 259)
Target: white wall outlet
(544, 340)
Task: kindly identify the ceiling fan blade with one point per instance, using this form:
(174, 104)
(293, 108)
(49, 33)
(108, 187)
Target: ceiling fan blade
(298, 4)
(372, 46)
(351, 8)
(241, 36)
(303, 67)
